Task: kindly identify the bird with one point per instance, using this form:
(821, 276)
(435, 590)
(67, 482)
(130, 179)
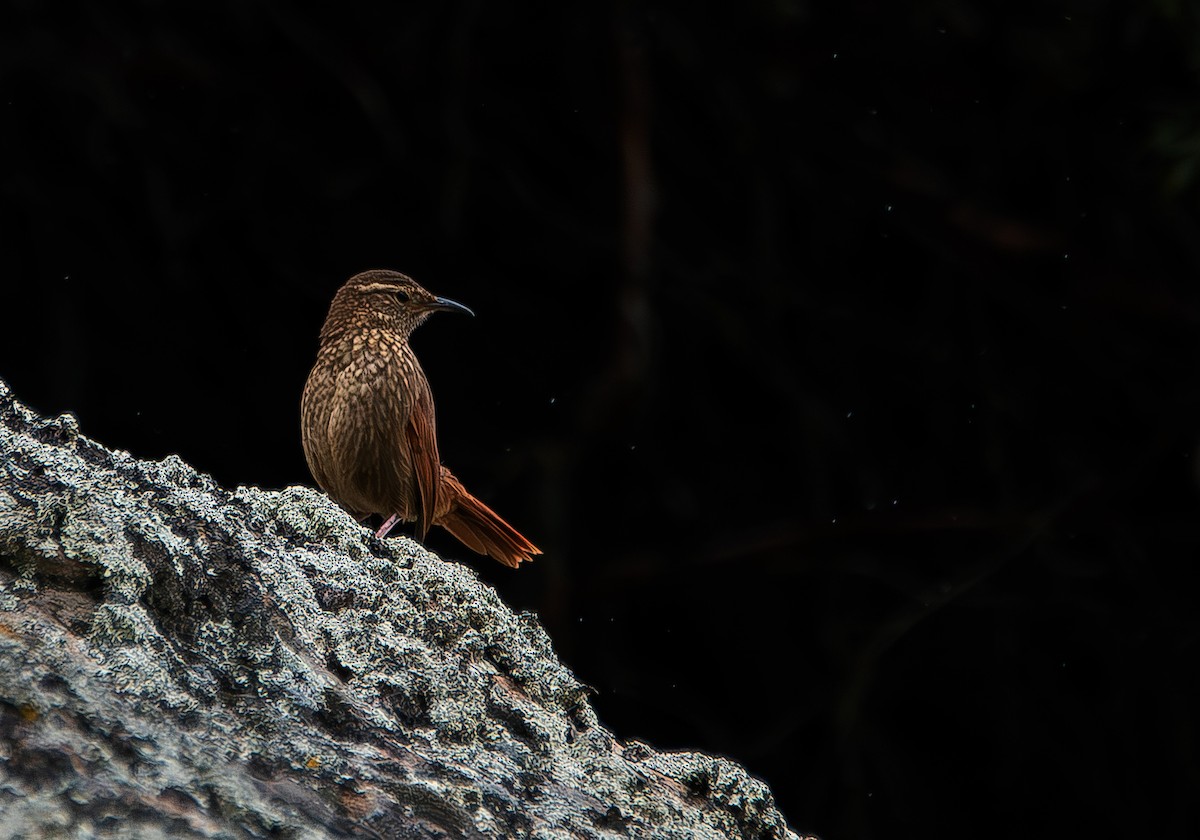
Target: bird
(367, 420)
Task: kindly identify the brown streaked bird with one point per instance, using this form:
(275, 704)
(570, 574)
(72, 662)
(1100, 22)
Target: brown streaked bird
(368, 426)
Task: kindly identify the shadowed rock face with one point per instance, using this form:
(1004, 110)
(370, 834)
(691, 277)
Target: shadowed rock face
(179, 659)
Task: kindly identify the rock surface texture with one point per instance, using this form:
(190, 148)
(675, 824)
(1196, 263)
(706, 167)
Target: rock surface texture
(180, 660)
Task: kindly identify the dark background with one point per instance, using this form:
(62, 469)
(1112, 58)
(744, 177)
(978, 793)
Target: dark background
(842, 357)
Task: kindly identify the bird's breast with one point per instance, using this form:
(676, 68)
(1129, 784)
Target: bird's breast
(366, 387)
(379, 377)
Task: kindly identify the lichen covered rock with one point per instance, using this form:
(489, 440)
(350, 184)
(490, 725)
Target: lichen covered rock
(177, 659)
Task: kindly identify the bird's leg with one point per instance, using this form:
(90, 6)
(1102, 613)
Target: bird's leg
(387, 526)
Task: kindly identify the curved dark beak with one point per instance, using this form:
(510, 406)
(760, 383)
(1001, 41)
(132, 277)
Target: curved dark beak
(450, 306)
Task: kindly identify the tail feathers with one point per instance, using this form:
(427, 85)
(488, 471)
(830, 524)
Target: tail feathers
(478, 527)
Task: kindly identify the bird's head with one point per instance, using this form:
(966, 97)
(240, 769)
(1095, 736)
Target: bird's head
(386, 299)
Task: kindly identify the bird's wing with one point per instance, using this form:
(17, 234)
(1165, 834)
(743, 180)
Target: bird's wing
(420, 437)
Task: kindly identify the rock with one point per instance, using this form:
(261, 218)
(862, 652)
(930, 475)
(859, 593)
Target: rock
(180, 660)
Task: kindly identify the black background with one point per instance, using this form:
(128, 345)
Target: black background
(842, 357)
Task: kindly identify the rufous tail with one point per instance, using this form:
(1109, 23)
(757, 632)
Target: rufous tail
(478, 527)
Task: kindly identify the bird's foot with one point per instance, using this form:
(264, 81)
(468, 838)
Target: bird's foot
(387, 526)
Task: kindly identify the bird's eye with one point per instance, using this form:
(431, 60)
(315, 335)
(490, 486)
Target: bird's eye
(402, 297)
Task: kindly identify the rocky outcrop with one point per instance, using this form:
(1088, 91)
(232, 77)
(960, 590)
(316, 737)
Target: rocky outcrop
(181, 660)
